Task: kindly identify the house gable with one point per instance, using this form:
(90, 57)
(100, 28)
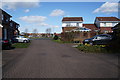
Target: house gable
(72, 22)
(106, 23)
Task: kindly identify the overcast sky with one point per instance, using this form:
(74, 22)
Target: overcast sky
(42, 15)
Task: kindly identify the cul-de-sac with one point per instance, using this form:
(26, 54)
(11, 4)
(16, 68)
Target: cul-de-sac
(67, 40)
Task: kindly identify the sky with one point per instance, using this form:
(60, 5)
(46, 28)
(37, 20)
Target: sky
(44, 15)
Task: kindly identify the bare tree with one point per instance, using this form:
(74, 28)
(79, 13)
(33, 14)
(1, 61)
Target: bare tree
(35, 32)
(48, 32)
(26, 32)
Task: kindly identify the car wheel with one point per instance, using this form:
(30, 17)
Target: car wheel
(8, 47)
(25, 41)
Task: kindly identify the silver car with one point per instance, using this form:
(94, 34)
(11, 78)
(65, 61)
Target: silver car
(21, 39)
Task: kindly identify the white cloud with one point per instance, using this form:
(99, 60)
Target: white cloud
(36, 20)
(33, 19)
(43, 24)
(14, 5)
(107, 8)
(55, 26)
(27, 10)
(57, 12)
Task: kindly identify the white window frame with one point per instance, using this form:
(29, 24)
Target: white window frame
(2, 17)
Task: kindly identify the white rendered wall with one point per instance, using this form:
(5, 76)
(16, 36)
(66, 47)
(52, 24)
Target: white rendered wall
(72, 24)
(108, 24)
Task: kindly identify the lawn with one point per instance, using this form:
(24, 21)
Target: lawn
(21, 45)
(35, 37)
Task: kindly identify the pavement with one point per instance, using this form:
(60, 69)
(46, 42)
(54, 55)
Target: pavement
(47, 59)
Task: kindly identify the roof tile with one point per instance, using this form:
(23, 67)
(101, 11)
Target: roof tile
(90, 26)
(107, 19)
(72, 19)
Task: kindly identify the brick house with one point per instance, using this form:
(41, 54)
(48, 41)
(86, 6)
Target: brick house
(69, 23)
(83, 31)
(9, 28)
(14, 28)
(6, 25)
(75, 25)
(104, 24)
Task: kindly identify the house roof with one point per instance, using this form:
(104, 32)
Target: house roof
(3, 12)
(72, 19)
(90, 26)
(14, 22)
(107, 18)
(64, 29)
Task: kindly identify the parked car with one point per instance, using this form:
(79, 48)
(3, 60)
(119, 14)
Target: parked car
(101, 39)
(20, 39)
(6, 44)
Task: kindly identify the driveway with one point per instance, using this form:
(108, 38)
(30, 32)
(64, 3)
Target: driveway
(47, 59)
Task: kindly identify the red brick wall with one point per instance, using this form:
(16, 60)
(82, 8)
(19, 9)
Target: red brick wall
(78, 36)
(64, 29)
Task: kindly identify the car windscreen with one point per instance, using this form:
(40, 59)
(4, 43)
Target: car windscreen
(21, 36)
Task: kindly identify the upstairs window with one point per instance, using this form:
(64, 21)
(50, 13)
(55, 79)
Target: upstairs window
(2, 17)
(73, 24)
(103, 24)
(68, 25)
(108, 24)
(11, 24)
(7, 20)
(77, 24)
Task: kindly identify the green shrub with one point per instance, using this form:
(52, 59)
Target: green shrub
(56, 37)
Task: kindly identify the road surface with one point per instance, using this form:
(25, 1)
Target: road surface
(47, 59)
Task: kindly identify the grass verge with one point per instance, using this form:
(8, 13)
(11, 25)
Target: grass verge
(21, 45)
(94, 49)
(59, 41)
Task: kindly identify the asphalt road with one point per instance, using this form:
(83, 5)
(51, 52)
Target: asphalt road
(47, 59)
